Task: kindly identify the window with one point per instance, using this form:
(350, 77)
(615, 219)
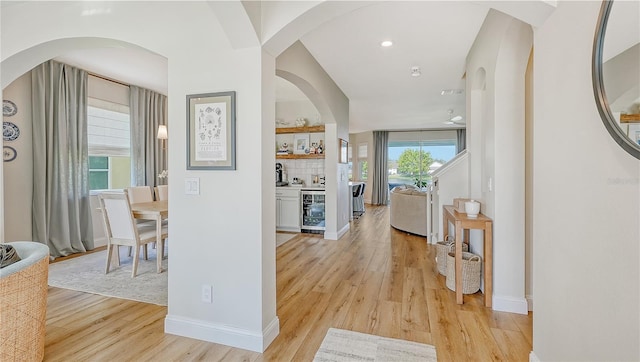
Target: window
(363, 165)
(412, 162)
(98, 172)
(109, 145)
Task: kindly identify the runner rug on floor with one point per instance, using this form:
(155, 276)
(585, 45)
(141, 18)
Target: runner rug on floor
(86, 274)
(342, 345)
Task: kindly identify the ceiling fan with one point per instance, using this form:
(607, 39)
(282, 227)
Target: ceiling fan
(455, 120)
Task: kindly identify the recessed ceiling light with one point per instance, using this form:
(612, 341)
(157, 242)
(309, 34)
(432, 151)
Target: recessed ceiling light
(456, 118)
(386, 43)
(415, 71)
(450, 92)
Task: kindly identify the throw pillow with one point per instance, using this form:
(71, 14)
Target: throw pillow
(397, 188)
(8, 255)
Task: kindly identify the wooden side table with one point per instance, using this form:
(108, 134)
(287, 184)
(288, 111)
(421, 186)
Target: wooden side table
(463, 223)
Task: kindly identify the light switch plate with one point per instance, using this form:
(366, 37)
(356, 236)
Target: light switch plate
(192, 186)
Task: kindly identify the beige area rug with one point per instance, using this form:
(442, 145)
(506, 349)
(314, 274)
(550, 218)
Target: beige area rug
(86, 274)
(342, 345)
(282, 238)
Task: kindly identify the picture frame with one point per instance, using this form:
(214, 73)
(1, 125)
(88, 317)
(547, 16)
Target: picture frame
(301, 143)
(211, 131)
(342, 154)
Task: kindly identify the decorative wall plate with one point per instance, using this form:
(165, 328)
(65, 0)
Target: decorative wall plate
(9, 153)
(10, 132)
(9, 108)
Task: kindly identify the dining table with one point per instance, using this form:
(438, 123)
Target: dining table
(158, 211)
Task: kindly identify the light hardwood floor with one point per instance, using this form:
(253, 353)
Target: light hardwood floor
(374, 280)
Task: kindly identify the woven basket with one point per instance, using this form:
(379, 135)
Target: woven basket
(471, 267)
(23, 307)
(442, 249)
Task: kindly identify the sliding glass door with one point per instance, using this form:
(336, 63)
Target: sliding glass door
(413, 156)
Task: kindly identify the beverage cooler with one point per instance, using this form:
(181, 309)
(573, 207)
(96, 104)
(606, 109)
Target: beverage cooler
(312, 211)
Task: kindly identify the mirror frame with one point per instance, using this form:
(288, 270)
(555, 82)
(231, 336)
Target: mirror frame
(602, 103)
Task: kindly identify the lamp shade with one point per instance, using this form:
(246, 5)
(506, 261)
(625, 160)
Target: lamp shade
(162, 132)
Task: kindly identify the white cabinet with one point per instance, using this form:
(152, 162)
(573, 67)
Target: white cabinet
(287, 209)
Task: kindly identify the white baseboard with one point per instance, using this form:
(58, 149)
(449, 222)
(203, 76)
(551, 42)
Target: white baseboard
(338, 235)
(270, 333)
(510, 304)
(529, 302)
(533, 357)
(98, 242)
(229, 336)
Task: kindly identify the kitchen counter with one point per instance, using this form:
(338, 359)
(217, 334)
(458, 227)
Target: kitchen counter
(302, 187)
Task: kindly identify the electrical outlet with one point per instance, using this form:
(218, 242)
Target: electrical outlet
(207, 293)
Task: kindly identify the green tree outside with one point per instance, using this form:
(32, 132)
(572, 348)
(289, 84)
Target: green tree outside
(414, 162)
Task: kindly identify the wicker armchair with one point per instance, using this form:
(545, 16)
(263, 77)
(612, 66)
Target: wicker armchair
(23, 303)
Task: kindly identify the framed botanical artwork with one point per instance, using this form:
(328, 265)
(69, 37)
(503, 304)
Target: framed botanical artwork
(211, 131)
(301, 143)
(342, 154)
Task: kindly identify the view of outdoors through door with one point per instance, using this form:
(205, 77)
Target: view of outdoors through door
(412, 162)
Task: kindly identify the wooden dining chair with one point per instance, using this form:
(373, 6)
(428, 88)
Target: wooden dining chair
(162, 192)
(121, 228)
(136, 195)
(139, 194)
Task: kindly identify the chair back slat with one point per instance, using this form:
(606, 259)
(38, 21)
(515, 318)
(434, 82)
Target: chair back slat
(139, 194)
(356, 191)
(162, 192)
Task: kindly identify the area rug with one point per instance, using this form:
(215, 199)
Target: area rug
(342, 345)
(282, 238)
(86, 274)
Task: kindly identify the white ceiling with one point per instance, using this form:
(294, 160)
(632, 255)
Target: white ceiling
(132, 66)
(436, 36)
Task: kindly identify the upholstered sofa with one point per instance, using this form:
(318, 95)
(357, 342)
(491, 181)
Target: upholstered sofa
(409, 209)
(23, 303)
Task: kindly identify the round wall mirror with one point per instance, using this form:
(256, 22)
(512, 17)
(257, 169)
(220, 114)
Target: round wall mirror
(616, 72)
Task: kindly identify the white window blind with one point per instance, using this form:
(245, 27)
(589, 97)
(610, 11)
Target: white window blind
(362, 150)
(108, 128)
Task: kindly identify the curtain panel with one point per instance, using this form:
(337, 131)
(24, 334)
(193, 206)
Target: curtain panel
(148, 110)
(380, 188)
(61, 205)
(461, 138)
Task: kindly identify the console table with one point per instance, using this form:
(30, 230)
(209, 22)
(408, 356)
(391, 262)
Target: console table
(463, 223)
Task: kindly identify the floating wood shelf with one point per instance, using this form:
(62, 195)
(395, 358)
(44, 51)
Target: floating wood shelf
(308, 129)
(302, 156)
(630, 118)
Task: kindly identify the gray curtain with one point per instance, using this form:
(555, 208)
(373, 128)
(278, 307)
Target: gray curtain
(462, 140)
(148, 110)
(61, 209)
(380, 187)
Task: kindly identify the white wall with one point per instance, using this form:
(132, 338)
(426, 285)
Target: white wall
(528, 283)
(586, 206)
(18, 174)
(355, 140)
(450, 182)
(496, 65)
(231, 253)
(289, 111)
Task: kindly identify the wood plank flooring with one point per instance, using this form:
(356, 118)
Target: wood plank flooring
(374, 280)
